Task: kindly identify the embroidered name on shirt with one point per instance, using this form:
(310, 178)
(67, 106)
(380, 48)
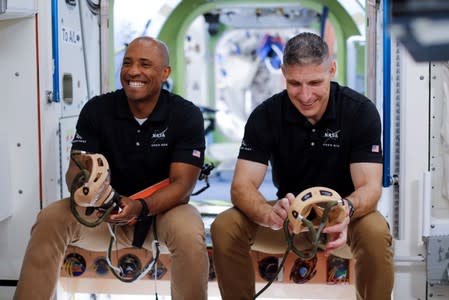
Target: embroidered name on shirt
(158, 138)
(159, 135)
(331, 138)
(244, 146)
(78, 139)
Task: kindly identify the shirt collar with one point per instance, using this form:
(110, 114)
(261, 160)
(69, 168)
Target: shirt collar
(159, 113)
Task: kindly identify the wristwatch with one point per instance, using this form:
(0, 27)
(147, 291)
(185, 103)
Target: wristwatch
(351, 207)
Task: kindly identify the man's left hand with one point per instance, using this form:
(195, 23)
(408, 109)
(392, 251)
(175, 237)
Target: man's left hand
(129, 212)
(337, 235)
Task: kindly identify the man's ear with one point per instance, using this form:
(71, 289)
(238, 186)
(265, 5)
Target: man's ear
(333, 69)
(165, 73)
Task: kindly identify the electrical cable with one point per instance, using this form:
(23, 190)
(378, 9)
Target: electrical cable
(315, 236)
(118, 271)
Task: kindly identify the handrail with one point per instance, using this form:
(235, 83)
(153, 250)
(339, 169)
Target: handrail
(386, 181)
(55, 49)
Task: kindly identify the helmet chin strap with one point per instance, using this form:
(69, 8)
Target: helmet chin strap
(311, 211)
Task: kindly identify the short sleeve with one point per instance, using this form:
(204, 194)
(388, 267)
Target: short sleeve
(86, 138)
(366, 136)
(190, 142)
(255, 144)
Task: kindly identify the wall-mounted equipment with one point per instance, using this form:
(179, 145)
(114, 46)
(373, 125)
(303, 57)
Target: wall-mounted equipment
(11, 9)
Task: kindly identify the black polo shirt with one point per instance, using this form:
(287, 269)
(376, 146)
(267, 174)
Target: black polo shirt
(303, 155)
(140, 155)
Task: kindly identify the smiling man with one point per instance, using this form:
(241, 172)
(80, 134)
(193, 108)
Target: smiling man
(147, 134)
(314, 133)
(143, 88)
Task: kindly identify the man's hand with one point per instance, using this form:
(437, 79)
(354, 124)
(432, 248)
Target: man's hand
(129, 212)
(279, 212)
(337, 234)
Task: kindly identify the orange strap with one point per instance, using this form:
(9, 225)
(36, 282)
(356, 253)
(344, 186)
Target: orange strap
(148, 192)
(151, 189)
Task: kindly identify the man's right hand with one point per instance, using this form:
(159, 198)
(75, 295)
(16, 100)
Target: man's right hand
(279, 212)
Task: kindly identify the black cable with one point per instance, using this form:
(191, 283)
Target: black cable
(315, 238)
(204, 175)
(281, 265)
(315, 235)
(95, 223)
(155, 256)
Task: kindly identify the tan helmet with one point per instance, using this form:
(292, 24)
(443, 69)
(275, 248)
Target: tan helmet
(311, 211)
(311, 203)
(93, 188)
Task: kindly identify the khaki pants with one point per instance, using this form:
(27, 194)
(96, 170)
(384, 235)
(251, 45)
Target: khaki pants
(180, 229)
(233, 235)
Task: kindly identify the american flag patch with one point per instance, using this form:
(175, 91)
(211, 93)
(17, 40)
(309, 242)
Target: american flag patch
(375, 148)
(196, 153)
